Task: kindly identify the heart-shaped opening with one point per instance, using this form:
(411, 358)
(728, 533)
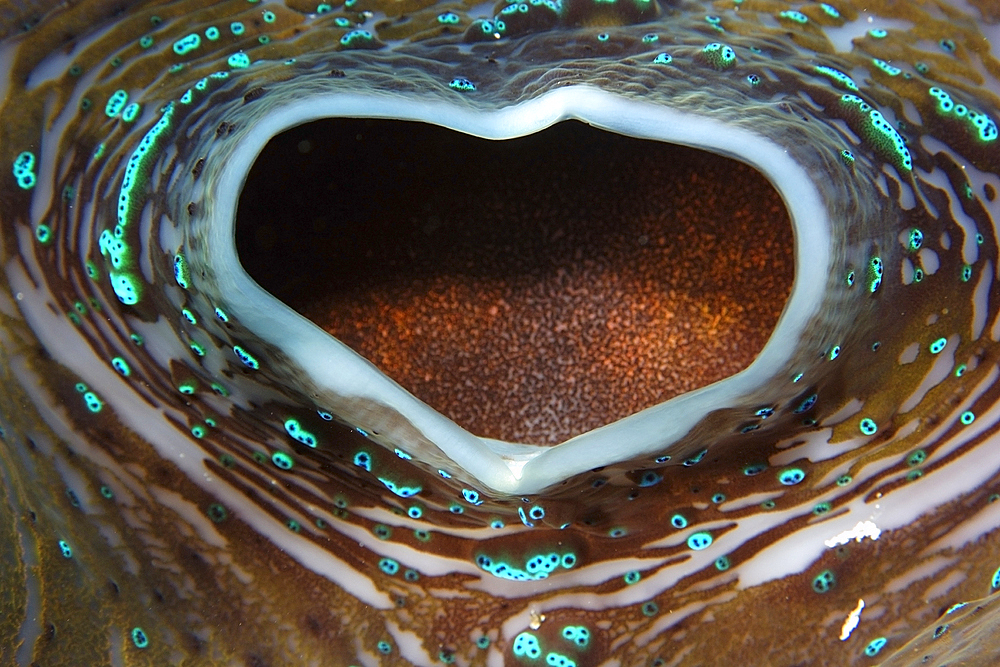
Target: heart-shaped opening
(530, 289)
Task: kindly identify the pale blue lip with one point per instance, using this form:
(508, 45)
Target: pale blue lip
(367, 398)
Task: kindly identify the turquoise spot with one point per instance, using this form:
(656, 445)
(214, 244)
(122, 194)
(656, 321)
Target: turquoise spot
(139, 638)
(217, 513)
(496, 524)
(239, 61)
(699, 541)
(678, 521)
(663, 59)
(198, 431)
(94, 404)
(24, 170)
(462, 85)
(268, 17)
(791, 476)
(995, 582)
(877, 33)
(382, 532)
(867, 426)
(471, 496)
(131, 112)
(822, 508)
(844, 480)
(632, 577)
(411, 575)
(357, 39)
(66, 549)
(448, 18)
(754, 469)
(186, 45)
(282, 460)
(116, 103)
(557, 660)
(237, 28)
(483, 642)
(722, 563)
(384, 647)
(415, 512)
(389, 566)
(718, 498)
(797, 17)
(107, 492)
(526, 646)
(248, 360)
(967, 417)
(212, 33)
(719, 55)
(182, 272)
(363, 460)
(577, 634)
(916, 458)
(874, 646)
(824, 581)
(295, 430)
(938, 345)
(650, 609)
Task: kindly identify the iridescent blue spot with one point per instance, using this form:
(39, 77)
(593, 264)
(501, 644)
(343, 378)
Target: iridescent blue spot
(577, 634)
(384, 647)
(824, 581)
(66, 549)
(389, 566)
(938, 345)
(186, 45)
(526, 646)
(248, 360)
(537, 512)
(121, 366)
(722, 563)
(650, 478)
(699, 541)
(867, 426)
(295, 430)
(632, 577)
(874, 646)
(791, 476)
(678, 521)
(663, 59)
(282, 460)
(967, 417)
(754, 469)
(483, 642)
(472, 497)
(719, 498)
(239, 61)
(844, 480)
(617, 532)
(462, 85)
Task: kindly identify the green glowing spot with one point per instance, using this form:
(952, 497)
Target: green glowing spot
(217, 513)
(182, 272)
(913, 475)
(526, 646)
(632, 577)
(462, 85)
(768, 505)
(650, 38)
(722, 563)
(874, 646)
(248, 360)
(868, 426)
(131, 112)
(43, 233)
(24, 170)
(382, 532)
(139, 638)
(967, 417)
(212, 33)
(107, 492)
(94, 404)
(650, 609)
(577, 634)
(844, 480)
(389, 566)
(66, 549)
(323, 8)
(830, 10)
(282, 460)
(237, 28)
(198, 431)
(186, 45)
(699, 541)
(877, 33)
(791, 476)
(822, 508)
(966, 273)
(483, 642)
(719, 56)
(448, 18)
(916, 240)
(824, 581)
(886, 67)
(795, 17)
(357, 39)
(834, 352)
(937, 346)
(239, 61)
(197, 349)
(295, 430)
(422, 535)
(116, 103)
(187, 388)
(678, 521)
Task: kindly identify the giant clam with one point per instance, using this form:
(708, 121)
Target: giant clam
(194, 473)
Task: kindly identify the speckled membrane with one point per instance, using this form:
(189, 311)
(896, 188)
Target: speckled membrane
(528, 298)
